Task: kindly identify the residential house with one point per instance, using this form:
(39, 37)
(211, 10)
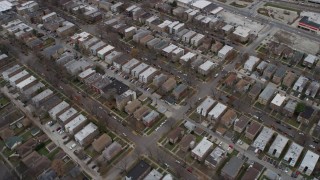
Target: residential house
(187, 142)
(241, 124)
(180, 91)
(269, 71)
(300, 84)
(169, 84)
(252, 130)
(231, 80)
(202, 149)
(215, 158)
(267, 94)
(278, 102)
(231, 170)
(308, 163)
(279, 75)
(289, 79)
(255, 91)
(229, 118)
(141, 112)
(150, 118)
(101, 142)
(112, 150)
(86, 135)
(290, 108)
(310, 60)
(312, 89)
(175, 135)
(263, 139)
(204, 108)
(132, 106)
(306, 114)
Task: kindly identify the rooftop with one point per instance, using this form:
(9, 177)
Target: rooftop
(293, 154)
(310, 160)
(278, 145)
(263, 138)
(86, 131)
(217, 110)
(233, 167)
(203, 146)
(242, 31)
(278, 100)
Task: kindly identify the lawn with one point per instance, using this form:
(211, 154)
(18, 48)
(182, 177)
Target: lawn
(53, 153)
(150, 130)
(293, 122)
(281, 7)
(4, 101)
(43, 151)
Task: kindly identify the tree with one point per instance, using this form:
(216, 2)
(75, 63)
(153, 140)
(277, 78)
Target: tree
(300, 108)
(134, 52)
(57, 166)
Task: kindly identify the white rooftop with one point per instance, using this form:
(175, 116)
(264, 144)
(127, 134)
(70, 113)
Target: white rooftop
(5, 6)
(130, 29)
(74, 123)
(227, 27)
(311, 59)
(206, 104)
(86, 72)
(216, 10)
(170, 48)
(261, 141)
(148, 72)
(201, 4)
(278, 145)
(203, 146)
(187, 56)
(42, 95)
(206, 66)
(25, 82)
(18, 76)
(164, 24)
(225, 49)
(106, 49)
(250, 63)
(310, 160)
(153, 175)
(217, 110)
(278, 99)
(58, 108)
(68, 114)
(293, 154)
(85, 132)
(242, 31)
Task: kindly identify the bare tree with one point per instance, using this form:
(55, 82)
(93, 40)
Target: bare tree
(57, 166)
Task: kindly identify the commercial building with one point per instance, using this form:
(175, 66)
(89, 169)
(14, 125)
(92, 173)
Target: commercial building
(308, 163)
(147, 75)
(278, 146)
(293, 154)
(231, 170)
(202, 149)
(217, 111)
(58, 109)
(252, 130)
(86, 135)
(278, 101)
(251, 63)
(310, 21)
(225, 51)
(263, 139)
(242, 33)
(76, 124)
(67, 116)
(215, 158)
(135, 72)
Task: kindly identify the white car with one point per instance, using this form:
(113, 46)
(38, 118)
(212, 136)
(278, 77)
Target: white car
(312, 146)
(73, 146)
